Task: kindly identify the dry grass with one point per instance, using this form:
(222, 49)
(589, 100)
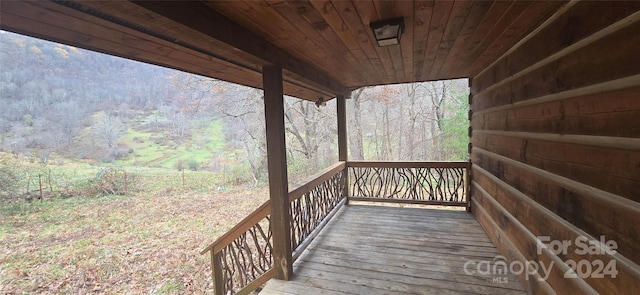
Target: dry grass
(117, 244)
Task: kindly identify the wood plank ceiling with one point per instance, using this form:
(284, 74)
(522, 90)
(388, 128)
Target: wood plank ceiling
(323, 46)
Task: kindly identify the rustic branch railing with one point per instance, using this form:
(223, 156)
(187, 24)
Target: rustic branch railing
(242, 259)
(431, 183)
(313, 202)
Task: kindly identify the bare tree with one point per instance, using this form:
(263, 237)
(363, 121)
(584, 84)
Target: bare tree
(68, 116)
(108, 128)
(312, 129)
(245, 124)
(355, 133)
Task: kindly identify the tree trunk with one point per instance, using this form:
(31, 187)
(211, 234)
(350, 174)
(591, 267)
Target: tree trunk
(355, 144)
(411, 133)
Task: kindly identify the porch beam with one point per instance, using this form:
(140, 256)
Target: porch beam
(277, 166)
(204, 19)
(343, 148)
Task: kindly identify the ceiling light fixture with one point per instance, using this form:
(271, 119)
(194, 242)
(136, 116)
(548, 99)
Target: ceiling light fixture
(321, 102)
(387, 32)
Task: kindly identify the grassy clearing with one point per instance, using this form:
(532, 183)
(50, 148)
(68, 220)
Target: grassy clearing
(160, 149)
(141, 243)
(147, 241)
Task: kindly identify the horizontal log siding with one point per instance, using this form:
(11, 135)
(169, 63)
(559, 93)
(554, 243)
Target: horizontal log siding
(555, 144)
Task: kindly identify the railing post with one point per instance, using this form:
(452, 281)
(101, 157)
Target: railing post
(216, 271)
(277, 166)
(343, 148)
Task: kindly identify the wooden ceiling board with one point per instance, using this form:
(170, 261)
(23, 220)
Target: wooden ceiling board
(475, 16)
(406, 8)
(422, 22)
(439, 20)
(495, 13)
(201, 18)
(367, 12)
(324, 46)
(328, 12)
(379, 10)
(134, 14)
(458, 15)
(309, 22)
(518, 28)
(350, 17)
(276, 29)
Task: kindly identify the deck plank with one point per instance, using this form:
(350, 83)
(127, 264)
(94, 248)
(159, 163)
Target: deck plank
(371, 249)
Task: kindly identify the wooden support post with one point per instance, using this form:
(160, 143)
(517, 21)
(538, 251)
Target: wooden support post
(216, 271)
(343, 148)
(277, 162)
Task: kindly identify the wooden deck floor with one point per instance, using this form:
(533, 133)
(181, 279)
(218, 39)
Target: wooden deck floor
(368, 249)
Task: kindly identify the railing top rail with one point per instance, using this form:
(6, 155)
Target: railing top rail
(265, 208)
(240, 228)
(315, 180)
(408, 164)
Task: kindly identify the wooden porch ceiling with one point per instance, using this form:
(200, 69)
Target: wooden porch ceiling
(324, 47)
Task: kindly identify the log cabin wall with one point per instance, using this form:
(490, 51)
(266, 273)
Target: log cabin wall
(555, 147)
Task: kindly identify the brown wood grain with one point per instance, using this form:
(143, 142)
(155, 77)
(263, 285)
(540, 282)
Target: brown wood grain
(252, 219)
(130, 13)
(302, 16)
(277, 167)
(609, 58)
(509, 18)
(340, 28)
(365, 14)
(531, 213)
(458, 49)
(343, 144)
(519, 243)
(323, 46)
(405, 251)
(79, 29)
(70, 26)
(583, 206)
(406, 10)
(198, 17)
(608, 169)
(572, 26)
(439, 19)
(349, 15)
(520, 27)
(613, 113)
(493, 15)
(315, 180)
(423, 15)
(459, 13)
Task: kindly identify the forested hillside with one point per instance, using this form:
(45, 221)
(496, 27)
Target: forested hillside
(62, 103)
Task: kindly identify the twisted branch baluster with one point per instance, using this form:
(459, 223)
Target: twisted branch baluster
(247, 257)
(435, 184)
(313, 207)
